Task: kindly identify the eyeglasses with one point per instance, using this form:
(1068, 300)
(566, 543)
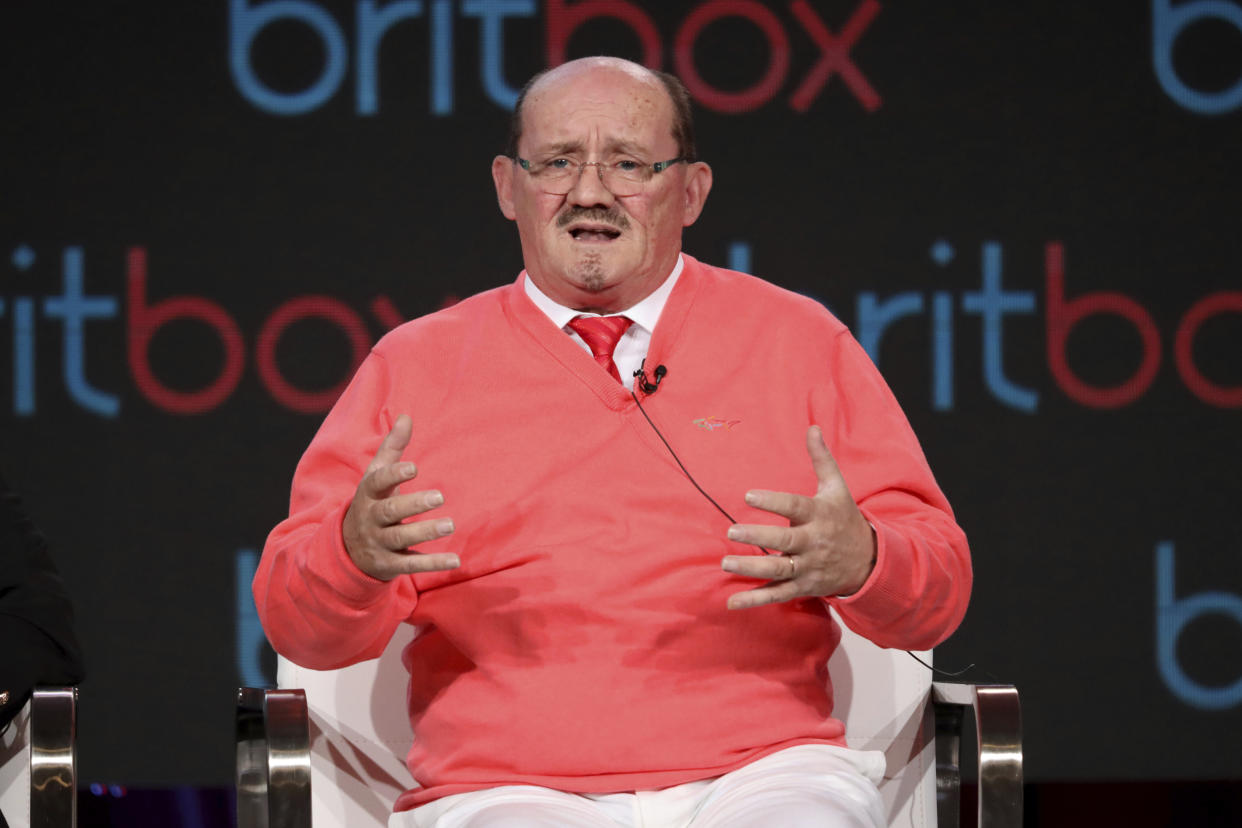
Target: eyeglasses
(622, 178)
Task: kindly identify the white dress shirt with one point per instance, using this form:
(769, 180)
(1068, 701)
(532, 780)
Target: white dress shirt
(632, 347)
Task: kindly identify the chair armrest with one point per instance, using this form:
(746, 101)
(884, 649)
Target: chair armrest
(998, 725)
(53, 757)
(273, 759)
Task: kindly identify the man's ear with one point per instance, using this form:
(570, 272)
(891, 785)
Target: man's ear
(698, 185)
(502, 176)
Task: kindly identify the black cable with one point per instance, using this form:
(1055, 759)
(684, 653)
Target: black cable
(969, 666)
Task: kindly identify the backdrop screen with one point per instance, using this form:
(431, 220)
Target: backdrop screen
(1027, 213)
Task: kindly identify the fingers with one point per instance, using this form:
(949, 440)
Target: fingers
(394, 443)
(389, 565)
(788, 576)
(821, 542)
(386, 471)
(401, 537)
(397, 508)
(382, 481)
(385, 550)
(387, 547)
(771, 594)
(416, 562)
(798, 508)
(779, 538)
(781, 570)
(770, 567)
(826, 469)
(375, 532)
(385, 527)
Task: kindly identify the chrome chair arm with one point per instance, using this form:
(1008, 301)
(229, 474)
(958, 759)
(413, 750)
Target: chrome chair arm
(998, 725)
(273, 759)
(53, 757)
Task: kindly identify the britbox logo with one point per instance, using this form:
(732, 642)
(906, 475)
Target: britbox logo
(1064, 310)
(357, 44)
(78, 311)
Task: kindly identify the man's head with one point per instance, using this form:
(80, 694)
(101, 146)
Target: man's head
(596, 248)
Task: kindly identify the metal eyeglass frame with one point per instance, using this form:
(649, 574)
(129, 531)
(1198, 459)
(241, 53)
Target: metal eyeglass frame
(600, 166)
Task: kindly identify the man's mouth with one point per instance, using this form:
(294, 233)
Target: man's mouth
(594, 232)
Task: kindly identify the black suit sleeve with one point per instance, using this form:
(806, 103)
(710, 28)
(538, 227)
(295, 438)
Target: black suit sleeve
(36, 619)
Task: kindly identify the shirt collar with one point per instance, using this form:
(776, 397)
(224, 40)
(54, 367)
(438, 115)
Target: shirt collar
(645, 314)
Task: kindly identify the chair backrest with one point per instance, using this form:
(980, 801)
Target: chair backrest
(884, 698)
(360, 733)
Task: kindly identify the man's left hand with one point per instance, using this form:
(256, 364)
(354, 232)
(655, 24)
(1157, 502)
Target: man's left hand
(828, 548)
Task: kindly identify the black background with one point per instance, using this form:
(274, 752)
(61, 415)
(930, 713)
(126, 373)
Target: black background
(1019, 124)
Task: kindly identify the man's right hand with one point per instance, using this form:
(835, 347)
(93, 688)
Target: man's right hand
(375, 537)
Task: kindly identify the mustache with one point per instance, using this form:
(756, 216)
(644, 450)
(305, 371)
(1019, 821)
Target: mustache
(601, 215)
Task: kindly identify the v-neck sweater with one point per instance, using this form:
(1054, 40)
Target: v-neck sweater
(584, 643)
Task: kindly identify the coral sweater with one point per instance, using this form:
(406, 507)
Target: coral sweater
(584, 643)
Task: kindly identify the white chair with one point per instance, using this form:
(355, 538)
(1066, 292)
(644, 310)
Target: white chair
(38, 762)
(332, 750)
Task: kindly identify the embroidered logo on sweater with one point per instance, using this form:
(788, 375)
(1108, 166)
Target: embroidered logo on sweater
(715, 423)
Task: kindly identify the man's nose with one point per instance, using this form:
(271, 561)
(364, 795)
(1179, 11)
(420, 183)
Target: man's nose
(589, 189)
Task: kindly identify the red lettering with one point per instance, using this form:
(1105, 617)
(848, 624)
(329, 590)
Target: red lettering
(747, 99)
(386, 312)
(145, 320)
(836, 55)
(1183, 349)
(1062, 316)
(297, 309)
(562, 20)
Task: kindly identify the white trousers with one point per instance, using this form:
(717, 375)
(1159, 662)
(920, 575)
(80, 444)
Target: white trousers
(806, 785)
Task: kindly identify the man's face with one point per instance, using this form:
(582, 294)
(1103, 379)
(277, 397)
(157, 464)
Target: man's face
(589, 248)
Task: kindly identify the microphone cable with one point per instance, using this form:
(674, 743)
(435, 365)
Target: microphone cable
(677, 459)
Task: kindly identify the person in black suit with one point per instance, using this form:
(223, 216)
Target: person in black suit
(36, 619)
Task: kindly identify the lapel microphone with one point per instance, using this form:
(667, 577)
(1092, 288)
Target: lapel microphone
(647, 385)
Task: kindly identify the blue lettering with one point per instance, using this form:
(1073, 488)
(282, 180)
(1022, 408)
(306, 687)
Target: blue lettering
(942, 351)
(246, 21)
(1172, 616)
(23, 257)
(739, 256)
(491, 43)
(23, 357)
(73, 307)
(442, 57)
(372, 26)
(1167, 24)
(992, 303)
(250, 640)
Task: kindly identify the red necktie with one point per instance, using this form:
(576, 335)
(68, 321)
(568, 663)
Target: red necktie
(601, 334)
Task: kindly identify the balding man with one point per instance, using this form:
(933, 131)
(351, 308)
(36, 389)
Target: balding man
(641, 483)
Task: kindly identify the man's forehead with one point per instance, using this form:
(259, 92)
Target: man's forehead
(624, 109)
(613, 71)
(563, 144)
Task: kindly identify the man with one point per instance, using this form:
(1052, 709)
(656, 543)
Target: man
(601, 644)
